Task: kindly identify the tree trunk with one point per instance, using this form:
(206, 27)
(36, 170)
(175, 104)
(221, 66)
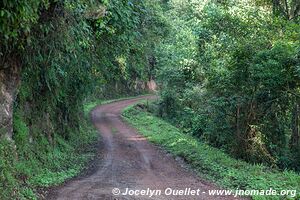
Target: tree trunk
(294, 142)
(295, 9)
(239, 138)
(9, 79)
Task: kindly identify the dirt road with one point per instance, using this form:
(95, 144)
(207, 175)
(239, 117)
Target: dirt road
(127, 160)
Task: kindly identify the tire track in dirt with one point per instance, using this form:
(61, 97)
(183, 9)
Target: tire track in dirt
(128, 160)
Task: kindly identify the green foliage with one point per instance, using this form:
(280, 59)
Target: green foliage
(228, 73)
(67, 50)
(17, 19)
(125, 37)
(233, 80)
(210, 162)
(37, 163)
(9, 186)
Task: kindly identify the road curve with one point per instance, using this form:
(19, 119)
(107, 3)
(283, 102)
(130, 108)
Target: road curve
(129, 161)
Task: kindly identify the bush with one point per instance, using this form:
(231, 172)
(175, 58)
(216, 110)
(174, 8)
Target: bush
(212, 163)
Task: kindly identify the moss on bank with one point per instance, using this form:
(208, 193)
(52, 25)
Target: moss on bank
(29, 163)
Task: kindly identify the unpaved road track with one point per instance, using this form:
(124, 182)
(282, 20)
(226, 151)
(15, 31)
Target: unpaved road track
(129, 161)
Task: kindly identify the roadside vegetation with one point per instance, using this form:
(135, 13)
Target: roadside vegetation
(56, 56)
(33, 166)
(228, 74)
(209, 162)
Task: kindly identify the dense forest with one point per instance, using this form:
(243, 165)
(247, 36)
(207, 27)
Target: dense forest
(231, 77)
(228, 73)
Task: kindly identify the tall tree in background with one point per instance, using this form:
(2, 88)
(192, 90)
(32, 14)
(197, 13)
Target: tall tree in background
(289, 9)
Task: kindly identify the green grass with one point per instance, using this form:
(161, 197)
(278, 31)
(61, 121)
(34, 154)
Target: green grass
(26, 167)
(211, 163)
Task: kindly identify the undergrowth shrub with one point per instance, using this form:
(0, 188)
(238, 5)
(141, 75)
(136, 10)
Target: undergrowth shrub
(27, 164)
(212, 163)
